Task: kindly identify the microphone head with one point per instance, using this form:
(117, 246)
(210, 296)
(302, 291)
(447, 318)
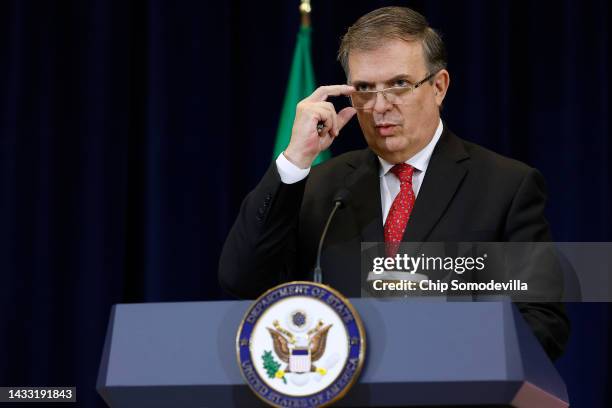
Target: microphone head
(342, 196)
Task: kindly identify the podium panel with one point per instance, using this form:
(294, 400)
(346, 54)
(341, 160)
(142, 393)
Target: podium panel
(419, 353)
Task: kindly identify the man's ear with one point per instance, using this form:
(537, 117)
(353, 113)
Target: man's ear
(441, 83)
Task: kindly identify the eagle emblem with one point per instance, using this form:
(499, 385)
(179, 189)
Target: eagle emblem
(297, 351)
(300, 344)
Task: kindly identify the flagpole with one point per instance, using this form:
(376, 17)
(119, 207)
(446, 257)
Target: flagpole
(305, 10)
(301, 84)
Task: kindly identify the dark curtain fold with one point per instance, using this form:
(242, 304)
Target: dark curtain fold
(131, 131)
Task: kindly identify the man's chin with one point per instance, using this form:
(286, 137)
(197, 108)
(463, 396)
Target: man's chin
(393, 154)
(393, 144)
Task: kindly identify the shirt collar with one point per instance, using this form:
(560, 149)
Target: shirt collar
(419, 161)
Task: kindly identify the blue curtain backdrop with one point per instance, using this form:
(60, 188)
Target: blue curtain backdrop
(131, 131)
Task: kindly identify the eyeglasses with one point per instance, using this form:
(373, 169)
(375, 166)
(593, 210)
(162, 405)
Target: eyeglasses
(395, 95)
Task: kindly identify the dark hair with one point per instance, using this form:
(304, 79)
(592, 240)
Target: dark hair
(393, 23)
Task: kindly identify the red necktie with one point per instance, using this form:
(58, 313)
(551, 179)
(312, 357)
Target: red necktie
(400, 210)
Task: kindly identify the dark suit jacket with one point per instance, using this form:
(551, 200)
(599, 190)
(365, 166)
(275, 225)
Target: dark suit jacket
(468, 194)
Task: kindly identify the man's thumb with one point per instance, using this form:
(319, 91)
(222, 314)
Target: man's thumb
(345, 115)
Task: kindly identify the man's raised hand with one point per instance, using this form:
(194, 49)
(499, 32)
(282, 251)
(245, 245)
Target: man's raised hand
(306, 142)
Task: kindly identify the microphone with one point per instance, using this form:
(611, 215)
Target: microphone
(340, 199)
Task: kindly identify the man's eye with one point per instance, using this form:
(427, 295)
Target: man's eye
(401, 83)
(362, 88)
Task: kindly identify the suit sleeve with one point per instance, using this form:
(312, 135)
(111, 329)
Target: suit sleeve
(260, 250)
(526, 223)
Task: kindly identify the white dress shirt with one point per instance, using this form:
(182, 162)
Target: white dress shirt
(389, 183)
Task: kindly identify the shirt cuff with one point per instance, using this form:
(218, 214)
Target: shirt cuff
(290, 173)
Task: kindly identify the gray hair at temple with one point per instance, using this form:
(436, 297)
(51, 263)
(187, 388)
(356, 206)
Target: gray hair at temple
(393, 23)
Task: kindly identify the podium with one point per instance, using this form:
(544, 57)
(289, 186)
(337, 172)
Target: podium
(419, 353)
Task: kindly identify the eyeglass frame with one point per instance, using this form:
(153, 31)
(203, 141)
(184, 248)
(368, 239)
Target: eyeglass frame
(410, 89)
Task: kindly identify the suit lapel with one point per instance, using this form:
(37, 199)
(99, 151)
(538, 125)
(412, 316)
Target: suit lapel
(444, 174)
(442, 178)
(364, 185)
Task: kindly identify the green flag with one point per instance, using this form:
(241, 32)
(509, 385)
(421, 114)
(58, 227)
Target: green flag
(301, 84)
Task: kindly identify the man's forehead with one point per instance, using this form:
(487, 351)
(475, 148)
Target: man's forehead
(392, 58)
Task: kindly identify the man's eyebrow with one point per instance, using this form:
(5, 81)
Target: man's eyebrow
(406, 77)
(360, 83)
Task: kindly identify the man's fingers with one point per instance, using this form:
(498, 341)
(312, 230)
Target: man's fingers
(344, 116)
(330, 108)
(322, 92)
(326, 116)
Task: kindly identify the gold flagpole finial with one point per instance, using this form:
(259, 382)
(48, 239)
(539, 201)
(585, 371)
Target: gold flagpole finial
(305, 10)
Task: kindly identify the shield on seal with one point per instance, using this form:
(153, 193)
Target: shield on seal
(299, 360)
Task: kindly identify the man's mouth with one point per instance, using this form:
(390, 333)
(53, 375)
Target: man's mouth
(386, 129)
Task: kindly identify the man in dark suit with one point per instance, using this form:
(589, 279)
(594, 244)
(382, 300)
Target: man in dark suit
(417, 181)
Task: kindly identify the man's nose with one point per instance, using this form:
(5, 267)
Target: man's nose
(382, 104)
